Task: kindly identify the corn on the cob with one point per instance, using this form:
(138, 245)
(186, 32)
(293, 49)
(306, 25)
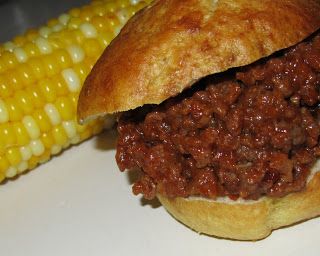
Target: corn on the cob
(41, 74)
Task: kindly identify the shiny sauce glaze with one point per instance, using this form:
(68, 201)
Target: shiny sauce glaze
(245, 133)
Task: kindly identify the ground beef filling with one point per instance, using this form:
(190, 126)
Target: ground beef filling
(246, 133)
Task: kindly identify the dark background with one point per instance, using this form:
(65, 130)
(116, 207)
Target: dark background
(18, 15)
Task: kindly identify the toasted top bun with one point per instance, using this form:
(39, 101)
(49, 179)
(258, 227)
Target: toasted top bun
(171, 44)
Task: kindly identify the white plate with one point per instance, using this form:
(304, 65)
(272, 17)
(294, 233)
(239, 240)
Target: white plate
(80, 204)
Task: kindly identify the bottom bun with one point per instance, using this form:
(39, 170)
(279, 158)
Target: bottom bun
(246, 220)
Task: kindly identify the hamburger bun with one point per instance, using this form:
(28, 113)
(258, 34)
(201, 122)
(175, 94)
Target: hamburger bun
(170, 45)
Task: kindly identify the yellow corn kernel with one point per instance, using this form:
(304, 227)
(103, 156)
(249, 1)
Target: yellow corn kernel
(20, 54)
(55, 40)
(13, 155)
(75, 140)
(71, 79)
(47, 140)
(7, 135)
(88, 30)
(25, 73)
(82, 70)
(76, 53)
(52, 113)
(86, 13)
(48, 90)
(64, 19)
(56, 149)
(74, 23)
(70, 128)
(25, 152)
(31, 126)
(43, 45)
(31, 49)
(36, 97)
(11, 172)
(59, 135)
(21, 133)
(45, 31)
(45, 156)
(63, 58)
(42, 119)
(78, 36)
(14, 110)
(33, 162)
(24, 100)
(15, 80)
(37, 68)
(92, 48)
(5, 90)
(86, 133)
(51, 65)
(65, 108)
(22, 166)
(9, 60)
(105, 38)
(61, 86)
(37, 147)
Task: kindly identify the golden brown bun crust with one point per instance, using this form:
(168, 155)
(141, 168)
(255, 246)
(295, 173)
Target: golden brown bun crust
(172, 43)
(248, 221)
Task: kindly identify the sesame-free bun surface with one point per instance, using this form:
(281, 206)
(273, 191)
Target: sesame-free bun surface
(171, 44)
(244, 220)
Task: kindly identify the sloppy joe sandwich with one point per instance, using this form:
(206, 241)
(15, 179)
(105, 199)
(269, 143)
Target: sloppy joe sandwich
(218, 109)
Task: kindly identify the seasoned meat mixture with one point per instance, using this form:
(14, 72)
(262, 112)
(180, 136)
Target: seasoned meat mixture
(246, 133)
